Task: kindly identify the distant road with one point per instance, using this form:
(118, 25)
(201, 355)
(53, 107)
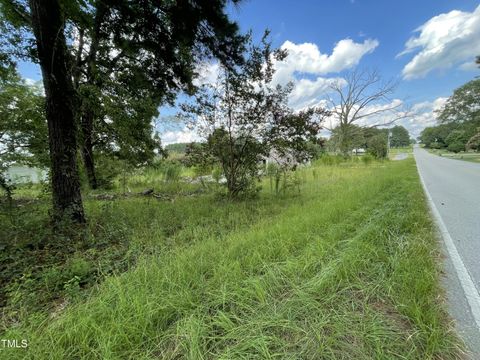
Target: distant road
(454, 188)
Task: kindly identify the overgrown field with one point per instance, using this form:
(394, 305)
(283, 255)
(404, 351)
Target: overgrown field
(343, 265)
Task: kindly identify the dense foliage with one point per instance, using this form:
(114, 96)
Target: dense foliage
(353, 137)
(399, 136)
(107, 66)
(245, 117)
(458, 126)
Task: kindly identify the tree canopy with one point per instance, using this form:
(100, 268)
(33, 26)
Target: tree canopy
(107, 66)
(458, 121)
(399, 136)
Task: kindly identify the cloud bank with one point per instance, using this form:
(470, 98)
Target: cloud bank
(444, 41)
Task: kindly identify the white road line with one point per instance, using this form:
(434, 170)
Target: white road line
(471, 293)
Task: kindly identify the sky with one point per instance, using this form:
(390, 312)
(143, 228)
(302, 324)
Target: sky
(428, 46)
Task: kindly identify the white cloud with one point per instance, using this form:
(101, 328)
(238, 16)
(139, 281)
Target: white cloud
(444, 41)
(308, 92)
(207, 73)
(424, 115)
(30, 82)
(306, 67)
(185, 135)
(306, 60)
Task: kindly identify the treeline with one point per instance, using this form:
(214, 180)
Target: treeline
(373, 140)
(458, 126)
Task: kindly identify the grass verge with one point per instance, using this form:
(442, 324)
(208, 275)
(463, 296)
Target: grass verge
(347, 269)
(465, 156)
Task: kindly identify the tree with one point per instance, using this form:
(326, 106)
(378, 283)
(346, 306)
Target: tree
(377, 146)
(399, 136)
(463, 106)
(347, 137)
(435, 136)
(23, 130)
(150, 57)
(458, 120)
(456, 140)
(244, 117)
(46, 19)
(156, 43)
(362, 99)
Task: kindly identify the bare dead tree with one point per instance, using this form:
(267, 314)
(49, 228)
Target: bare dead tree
(363, 100)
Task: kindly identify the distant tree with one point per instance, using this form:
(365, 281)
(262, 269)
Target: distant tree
(364, 100)
(463, 106)
(456, 140)
(458, 119)
(23, 128)
(377, 146)
(347, 137)
(244, 116)
(399, 136)
(177, 147)
(435, 136)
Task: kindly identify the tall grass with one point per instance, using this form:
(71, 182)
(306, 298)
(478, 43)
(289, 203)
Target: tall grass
(346, 270)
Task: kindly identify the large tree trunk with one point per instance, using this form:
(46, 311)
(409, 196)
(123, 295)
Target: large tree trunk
(48, 27)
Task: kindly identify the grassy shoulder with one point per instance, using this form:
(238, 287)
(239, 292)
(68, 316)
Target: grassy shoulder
(395, 151)
(345, 268)
(465, 156)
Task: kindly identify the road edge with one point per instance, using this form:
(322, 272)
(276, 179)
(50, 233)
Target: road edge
(469, 289)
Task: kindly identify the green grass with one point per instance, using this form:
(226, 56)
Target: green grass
(465, 156)
(346, 269)
(400, 150)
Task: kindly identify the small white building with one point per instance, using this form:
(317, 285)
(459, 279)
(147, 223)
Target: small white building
(359, 151)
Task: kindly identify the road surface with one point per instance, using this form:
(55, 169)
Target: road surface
(454, 188)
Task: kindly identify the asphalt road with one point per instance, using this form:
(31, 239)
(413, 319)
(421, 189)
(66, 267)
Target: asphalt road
(454, 189)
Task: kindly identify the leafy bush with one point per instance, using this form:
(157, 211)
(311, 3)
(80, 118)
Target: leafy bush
(437, 145)
(377, 146)
(456, 147)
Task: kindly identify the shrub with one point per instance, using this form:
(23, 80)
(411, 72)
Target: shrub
(456, 147)
(377, 146)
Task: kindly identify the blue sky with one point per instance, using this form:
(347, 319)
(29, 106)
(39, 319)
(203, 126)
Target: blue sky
(392, 23)
(439, 39)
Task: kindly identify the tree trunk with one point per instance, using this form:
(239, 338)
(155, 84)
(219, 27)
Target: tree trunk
(87, 147)
(48, 27)
(87, 114)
